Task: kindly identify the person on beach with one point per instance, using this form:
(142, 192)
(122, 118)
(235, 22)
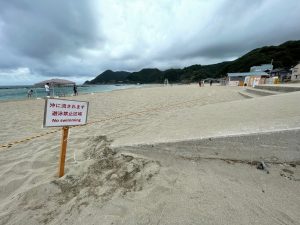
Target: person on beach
(29, 93)
(200, 82)
(210, 82)
(75, 90)
(47, 89)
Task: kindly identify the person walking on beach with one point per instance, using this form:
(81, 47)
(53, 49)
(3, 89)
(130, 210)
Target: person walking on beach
(75, 90)
(210, 82)
(29, 93)
(47, 89)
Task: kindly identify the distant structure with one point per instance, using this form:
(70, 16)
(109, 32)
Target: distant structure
(245, 79)
(261, 68)
(284, 75)
(223, 81)
(166, 82)
(257, 75)
(296, 73)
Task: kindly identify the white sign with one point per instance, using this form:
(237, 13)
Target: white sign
(233, 83)
(61, 112)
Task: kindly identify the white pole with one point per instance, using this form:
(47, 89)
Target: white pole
(52, 89)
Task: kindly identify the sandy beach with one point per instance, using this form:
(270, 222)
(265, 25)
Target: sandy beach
(178, 154)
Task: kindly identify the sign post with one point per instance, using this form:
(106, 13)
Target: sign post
(63, 150)
(64, 113)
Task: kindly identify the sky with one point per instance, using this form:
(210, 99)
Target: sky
(79, 39)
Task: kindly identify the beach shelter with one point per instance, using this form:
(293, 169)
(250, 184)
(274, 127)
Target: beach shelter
(55, 83)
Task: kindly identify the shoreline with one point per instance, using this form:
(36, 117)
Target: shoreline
(71, 96)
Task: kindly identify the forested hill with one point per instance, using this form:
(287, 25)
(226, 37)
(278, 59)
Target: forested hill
(285, 55)
(109, 76)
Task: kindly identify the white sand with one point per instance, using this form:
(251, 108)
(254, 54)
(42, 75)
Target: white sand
(152, 185)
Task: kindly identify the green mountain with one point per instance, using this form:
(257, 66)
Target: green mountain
(146, 76)
(285, 55)
(110, 77)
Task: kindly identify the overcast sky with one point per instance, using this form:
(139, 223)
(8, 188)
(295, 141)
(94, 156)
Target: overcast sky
(79, 39)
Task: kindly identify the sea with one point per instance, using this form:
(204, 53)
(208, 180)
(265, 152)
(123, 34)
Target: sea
(10, 93)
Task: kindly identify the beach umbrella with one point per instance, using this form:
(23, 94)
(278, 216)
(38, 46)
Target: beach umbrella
(55, 82)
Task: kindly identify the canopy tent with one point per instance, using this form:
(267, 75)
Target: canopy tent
(55, 82)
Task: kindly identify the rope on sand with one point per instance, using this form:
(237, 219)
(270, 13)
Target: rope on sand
(143, 112)
(8, 145)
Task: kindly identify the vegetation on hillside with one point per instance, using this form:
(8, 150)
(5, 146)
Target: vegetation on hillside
(110, 77)
(285, 55)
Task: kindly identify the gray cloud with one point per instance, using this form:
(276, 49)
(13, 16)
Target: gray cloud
(81, 39)
(236, 27)
(40, 34)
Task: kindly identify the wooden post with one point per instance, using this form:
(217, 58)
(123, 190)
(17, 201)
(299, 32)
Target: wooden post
(62, 158)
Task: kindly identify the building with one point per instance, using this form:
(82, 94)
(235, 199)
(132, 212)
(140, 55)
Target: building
(283, 75)
(261, 68)
(296, 73)
(257, 75)
(245, 79)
